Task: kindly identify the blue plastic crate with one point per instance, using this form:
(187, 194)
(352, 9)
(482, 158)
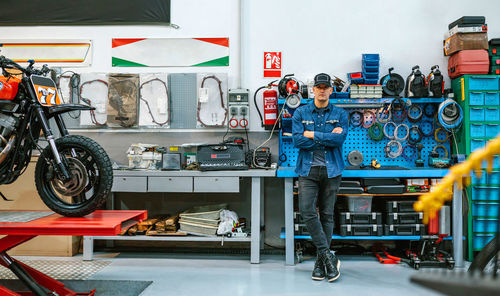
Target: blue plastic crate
(485, 209)
(342, 95)
(491, 99)
(370, 59)
(476, 144)
(370, 69)
(481, 240)
(494, 178)
(484, 225)
(477, 130)
(491, 130)
(480, 180)
(490, 114)
(486, 193)
(476, 114)
(371, 81)
(370, 75)
(476, 98)
(484, 83)
(356, 77)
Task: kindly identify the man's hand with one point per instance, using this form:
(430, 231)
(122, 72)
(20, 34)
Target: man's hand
(309, 134)
(337, 130)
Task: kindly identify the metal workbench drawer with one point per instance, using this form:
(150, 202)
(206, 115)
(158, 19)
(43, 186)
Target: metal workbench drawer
(216, 184)
(170, 184)
(130, 184)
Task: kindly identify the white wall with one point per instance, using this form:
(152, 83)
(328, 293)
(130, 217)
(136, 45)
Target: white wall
(314, 36)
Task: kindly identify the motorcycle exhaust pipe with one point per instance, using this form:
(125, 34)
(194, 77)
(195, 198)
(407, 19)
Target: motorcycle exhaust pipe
(8, 147)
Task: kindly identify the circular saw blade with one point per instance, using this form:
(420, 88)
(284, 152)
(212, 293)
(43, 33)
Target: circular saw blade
(355, 158)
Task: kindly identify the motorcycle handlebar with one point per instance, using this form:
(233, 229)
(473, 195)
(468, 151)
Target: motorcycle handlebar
(8, 63)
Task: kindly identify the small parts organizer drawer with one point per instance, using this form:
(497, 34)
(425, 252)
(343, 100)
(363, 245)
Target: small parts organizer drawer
(486, 193)
(484, 82)
(484, 98)
(488, 130)
(484, 114)
(485, 209)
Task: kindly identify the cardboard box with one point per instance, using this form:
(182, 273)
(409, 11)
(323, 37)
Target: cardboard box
(25, 197)
(465, 41)
(419, 181)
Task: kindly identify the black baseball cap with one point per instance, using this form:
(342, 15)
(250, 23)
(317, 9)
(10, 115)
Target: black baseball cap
(323, 78)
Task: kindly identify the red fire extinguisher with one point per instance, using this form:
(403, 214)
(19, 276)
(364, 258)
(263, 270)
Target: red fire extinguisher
(270, 103)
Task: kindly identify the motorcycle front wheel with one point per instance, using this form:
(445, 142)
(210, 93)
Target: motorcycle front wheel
(91, 177)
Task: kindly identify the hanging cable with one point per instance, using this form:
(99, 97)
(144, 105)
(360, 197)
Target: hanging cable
(369, 118)
(388, 149)
(411, 113)
(375, 132)
(436, 135)
(413, 154)
(221, 102)
(89, 102)
(355, 118)
(414, 130)
(386, 133)
(396, 132)
(147, 103)
(450, 114)
(429, 110)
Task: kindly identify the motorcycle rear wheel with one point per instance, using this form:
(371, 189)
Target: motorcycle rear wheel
(91, 172)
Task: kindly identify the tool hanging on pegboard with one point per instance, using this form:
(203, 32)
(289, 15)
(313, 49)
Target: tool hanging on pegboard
(292, 90)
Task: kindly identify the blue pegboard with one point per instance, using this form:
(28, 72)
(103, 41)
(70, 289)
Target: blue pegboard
(358, 139)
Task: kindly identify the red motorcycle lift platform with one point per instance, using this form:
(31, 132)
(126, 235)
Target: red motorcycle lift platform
(98, 223)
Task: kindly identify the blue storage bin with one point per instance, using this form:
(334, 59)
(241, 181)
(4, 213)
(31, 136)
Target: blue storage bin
(477, 130)
(484, 225)
(485, 193)
(485, 209)
(494, 178)
(491, 99)
(476, 143)
(479, 181)
(356, 77)
(477, 114)
(476, 98)
(370, 69)
(341, 95)
(481, 240)
(484, 83)
(370, 75)
(491, 130)
(492, 114)
(371, 81)
(370, 59)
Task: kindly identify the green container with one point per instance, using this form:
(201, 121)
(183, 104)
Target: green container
(479, 97)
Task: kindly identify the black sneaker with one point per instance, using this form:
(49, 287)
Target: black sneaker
(318, 273)
(332, 265)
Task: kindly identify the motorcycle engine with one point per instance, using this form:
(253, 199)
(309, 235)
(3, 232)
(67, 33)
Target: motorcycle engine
(7, 126)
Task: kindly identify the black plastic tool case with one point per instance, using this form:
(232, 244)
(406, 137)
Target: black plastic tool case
(405, 218)
(361, 230)
(405, 229)
(360, 218)
(400, 206)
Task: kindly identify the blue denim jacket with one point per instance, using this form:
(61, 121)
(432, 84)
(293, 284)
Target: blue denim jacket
(306, 118)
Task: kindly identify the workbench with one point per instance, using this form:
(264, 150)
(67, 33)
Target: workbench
(186, 181)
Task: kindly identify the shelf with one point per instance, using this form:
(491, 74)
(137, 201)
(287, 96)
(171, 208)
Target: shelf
(378, 194)
(187, 238)
(288, 172)
(383, 237)
(341, 101)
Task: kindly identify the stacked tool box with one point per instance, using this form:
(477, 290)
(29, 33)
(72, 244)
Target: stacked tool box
(466, 43)
(361, 224)
(401, 219)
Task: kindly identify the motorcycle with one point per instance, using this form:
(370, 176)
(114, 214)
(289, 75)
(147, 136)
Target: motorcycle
(73, 174)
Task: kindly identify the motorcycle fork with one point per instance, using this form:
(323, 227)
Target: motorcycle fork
(61, 166)
(63, 130)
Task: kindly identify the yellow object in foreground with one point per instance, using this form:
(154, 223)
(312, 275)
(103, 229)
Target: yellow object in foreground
(431, 202)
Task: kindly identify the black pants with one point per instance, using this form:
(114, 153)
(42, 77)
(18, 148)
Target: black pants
(318, 190)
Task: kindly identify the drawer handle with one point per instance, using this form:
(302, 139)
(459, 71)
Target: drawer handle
(170, 179)
(124, 179)
(216, 179)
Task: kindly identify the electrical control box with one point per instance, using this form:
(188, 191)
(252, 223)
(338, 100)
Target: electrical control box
(238, 109)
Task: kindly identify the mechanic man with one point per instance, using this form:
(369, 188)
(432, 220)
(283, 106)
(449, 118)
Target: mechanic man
(319, 131)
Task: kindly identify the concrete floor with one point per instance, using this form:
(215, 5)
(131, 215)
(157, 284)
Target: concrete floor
(220, 275)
